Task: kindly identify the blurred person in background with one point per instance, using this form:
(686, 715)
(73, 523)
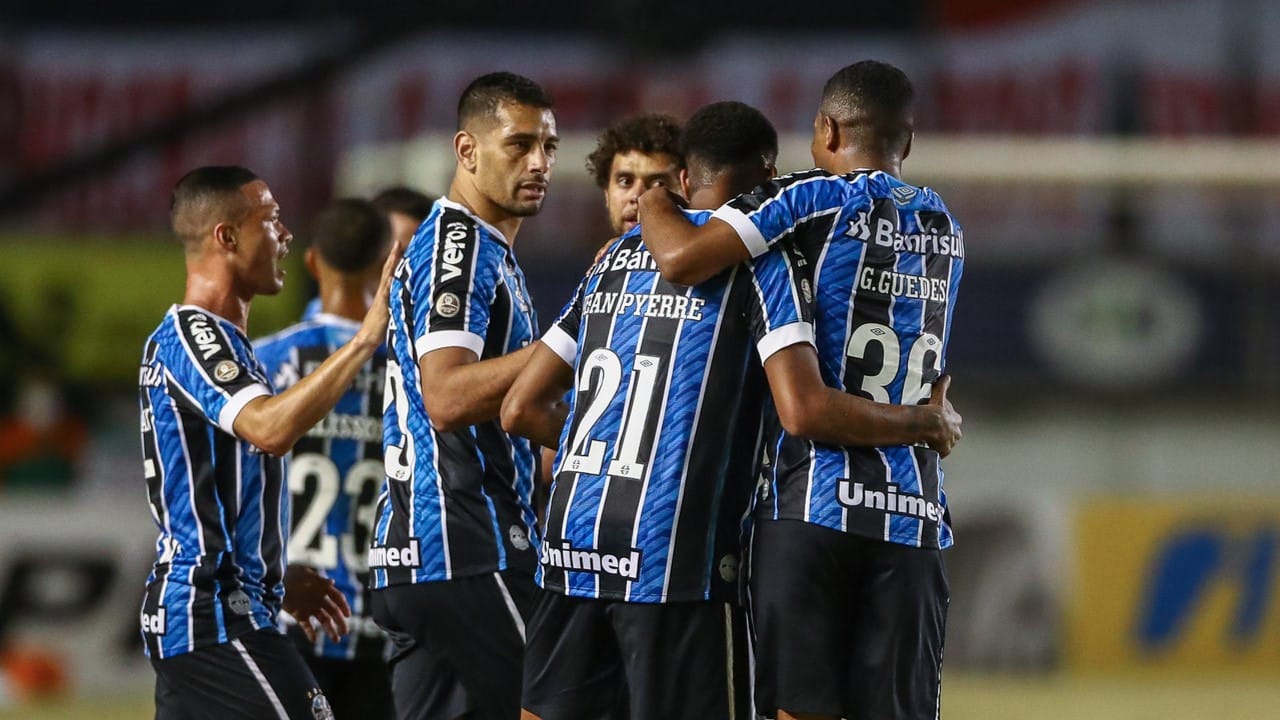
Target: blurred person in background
(405, 209)
(455, 544)
(631, 156)
(213, 439)
(336, 470)
(848, 592)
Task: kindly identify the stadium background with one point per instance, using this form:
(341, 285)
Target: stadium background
(1116, 166)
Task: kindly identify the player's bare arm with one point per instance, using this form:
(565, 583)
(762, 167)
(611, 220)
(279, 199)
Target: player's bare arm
(534, 408)
(461, 390)
(686, 254)
(810, 409)
(274, 423)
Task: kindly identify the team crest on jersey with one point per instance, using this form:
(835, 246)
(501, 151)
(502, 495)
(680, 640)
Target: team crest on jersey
(320, 709)
(238, 602)
(519, 540)
(903, 194)
(448, 305)
(226, 371)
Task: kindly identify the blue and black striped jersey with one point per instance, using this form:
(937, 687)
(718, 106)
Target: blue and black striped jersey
(886, 259)
(218, 502)
(637, 511)
(335, 471)
(455, 503)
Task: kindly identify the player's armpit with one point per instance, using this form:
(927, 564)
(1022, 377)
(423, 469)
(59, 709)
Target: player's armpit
(808, 408)
(533, 407)
(460, 390)
(686, 254)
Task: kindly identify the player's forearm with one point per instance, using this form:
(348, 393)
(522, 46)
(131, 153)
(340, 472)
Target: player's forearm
(541, 422)
(668, 236)
(275, 423)
(838, 418)
(471, 393)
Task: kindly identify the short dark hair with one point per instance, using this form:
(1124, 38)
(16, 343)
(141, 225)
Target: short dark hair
(207, 193)
(483, 96)
(875, 100)
(729, 134)
(404, 200)
(648, 134)
(350, 234)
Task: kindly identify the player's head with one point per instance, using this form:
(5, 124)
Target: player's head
(633, 155)
(349, 242)
(506, 142)
(226, 215)
(405, 208)
(729, 148)
(867, 111)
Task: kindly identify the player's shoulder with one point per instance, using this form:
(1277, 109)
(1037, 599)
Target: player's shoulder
(200, 331)
(906, 196)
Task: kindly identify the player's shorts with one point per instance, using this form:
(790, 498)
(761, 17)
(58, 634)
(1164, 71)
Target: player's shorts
(845, 625)
(589, 659)
(357, 687)
(457, 645)
(258, 675)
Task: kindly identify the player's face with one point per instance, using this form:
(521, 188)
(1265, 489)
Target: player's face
(402, 228)
(514, 158)
(262, 242)
(630, 174)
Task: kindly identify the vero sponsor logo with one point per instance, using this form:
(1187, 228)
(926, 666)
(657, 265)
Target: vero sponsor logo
(451, 256)
(206, 340)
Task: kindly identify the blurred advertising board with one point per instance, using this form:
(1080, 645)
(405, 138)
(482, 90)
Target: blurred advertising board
(1185, 584)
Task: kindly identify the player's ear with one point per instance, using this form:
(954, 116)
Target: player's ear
(830, 133)
(224, 237)
(464, 149)
(312, 260)
(684, 182)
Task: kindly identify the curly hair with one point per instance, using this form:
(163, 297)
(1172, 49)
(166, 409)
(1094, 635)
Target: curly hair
(644, 133)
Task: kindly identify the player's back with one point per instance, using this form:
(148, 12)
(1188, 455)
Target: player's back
(335, 471)
(660, 372)
(886, 259)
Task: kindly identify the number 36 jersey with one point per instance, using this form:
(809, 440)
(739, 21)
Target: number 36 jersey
(886, 259)
(642, 492)
(335, 471)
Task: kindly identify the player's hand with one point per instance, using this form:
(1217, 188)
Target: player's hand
(657, 196)
(604, 249)
(947, 433)
(374, 327)
(308, 595)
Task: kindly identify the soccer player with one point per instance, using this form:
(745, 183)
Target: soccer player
(848, 591)
(335, 471)
(405, 209)
(455, 544)
(631, 156)
(213, 437)
(638, 615)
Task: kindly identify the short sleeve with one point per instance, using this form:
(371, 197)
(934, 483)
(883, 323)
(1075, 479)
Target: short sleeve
(452, 308)
(780, 314)
(213, 368)
(562, 337)
(772, 211)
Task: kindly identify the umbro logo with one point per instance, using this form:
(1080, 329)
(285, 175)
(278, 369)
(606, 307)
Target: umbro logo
(903, 194)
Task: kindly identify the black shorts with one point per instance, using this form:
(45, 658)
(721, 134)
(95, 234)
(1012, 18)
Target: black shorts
(357, 687)
(589, 659)
(457, 645)
(258, 675)
(846, 625)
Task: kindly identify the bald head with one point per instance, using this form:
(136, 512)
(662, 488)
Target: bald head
(873, 102)
(205, 197)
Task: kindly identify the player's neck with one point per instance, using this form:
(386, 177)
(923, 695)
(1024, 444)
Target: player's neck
(468, 196)
(345, 300)
(207, 292)
(847, 160)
